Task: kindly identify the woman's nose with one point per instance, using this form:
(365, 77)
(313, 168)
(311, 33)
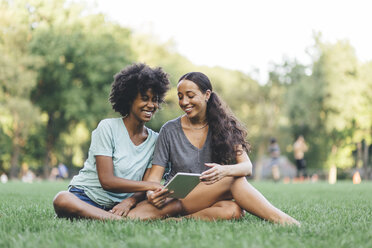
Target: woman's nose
(151, 103)
(184, 101)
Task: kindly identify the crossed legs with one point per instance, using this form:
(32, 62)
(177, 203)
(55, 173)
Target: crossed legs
(208, 202)
(67, 205)
(221, 210)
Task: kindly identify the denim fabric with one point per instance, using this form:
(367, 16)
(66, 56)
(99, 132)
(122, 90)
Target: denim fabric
(82, 196)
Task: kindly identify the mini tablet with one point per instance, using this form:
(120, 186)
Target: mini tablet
(182, 184)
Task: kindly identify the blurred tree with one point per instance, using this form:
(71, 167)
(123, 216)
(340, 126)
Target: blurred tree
(17, 79)
(339, 71)
(363, 135)
(302, 105)
(81, 53)
(329, 106)
(65, 58)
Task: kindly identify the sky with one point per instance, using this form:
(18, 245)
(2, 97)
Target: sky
(246, 35)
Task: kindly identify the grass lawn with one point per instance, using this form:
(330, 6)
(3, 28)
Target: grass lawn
(332, 216)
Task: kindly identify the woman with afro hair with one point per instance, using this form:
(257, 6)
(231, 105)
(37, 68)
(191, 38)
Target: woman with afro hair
(120, 152)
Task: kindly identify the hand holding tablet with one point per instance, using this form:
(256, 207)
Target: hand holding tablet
(182, 184)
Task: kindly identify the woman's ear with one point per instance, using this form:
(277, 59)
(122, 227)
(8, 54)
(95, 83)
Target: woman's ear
(207, 95)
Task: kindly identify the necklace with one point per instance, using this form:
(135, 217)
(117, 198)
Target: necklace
(196, 128)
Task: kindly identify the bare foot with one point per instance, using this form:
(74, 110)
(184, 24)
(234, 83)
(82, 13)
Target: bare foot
(289, 221)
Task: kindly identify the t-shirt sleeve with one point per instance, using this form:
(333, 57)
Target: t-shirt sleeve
(102, 140)
(155, 136)
(161, 153)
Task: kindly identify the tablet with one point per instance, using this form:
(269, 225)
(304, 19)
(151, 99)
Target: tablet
(182, 184)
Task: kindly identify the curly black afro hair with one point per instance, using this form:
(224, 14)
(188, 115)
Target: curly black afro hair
(134, 79)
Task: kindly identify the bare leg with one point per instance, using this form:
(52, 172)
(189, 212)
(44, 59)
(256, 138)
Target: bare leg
(245, 195)
(146, 211)
(67, 205)
(221, 210)
(254, 202)
(205, 196)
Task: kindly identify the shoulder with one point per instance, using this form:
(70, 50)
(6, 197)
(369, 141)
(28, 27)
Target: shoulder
(110, 122)
(152, 134)
(171, 125)
(111, 125)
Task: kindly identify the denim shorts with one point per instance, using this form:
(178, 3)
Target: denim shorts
(82, 196)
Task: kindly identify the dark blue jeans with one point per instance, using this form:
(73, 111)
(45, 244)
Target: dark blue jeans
(82, 196)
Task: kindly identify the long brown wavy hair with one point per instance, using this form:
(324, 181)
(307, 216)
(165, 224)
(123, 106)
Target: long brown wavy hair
(227, 132)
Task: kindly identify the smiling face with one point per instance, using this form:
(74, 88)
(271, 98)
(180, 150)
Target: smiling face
(144, 106)
(192, 100)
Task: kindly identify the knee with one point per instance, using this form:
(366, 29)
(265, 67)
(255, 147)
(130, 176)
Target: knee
(60, 202)
(236, 212)
(232, 211)
(143, 211)
(146, 211)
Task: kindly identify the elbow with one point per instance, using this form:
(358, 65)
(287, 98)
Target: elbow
(106, 185)
(248, 171)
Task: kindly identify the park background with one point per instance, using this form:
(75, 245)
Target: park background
(57, 64)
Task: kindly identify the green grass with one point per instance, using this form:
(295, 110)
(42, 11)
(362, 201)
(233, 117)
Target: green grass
(332, 216)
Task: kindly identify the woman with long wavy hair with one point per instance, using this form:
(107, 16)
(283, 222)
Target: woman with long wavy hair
(207, 139)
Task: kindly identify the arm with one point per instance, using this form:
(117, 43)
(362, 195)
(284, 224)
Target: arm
(156, 174)
(242, 168)
(139, 196)
(160, 160)
(110, 182)
(157, 197)
(122, 209)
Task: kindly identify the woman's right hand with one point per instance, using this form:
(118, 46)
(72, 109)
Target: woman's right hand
(154, 186)
(158, 197)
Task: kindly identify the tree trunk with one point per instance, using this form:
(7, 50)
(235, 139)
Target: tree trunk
(49, 147)
(359, 155)
(16, 151)
(365, 161)
(14, 162)
(258, 167)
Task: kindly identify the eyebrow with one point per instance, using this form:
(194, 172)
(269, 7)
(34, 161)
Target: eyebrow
(189, 91)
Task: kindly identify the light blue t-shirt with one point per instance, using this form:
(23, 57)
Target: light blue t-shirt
(111, 138)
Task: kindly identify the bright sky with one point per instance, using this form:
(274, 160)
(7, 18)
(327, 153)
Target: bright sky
(246, 35)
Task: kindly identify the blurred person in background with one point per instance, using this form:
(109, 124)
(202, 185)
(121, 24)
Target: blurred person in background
(274, 152)
(4, 178)
(299, 149)
(62, 171)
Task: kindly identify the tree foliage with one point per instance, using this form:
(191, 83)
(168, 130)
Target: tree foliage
(58, 61)
(17, 78)
(331, 106)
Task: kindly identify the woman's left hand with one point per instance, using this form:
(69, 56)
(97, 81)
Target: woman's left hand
(122, 209)
(214, 174)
